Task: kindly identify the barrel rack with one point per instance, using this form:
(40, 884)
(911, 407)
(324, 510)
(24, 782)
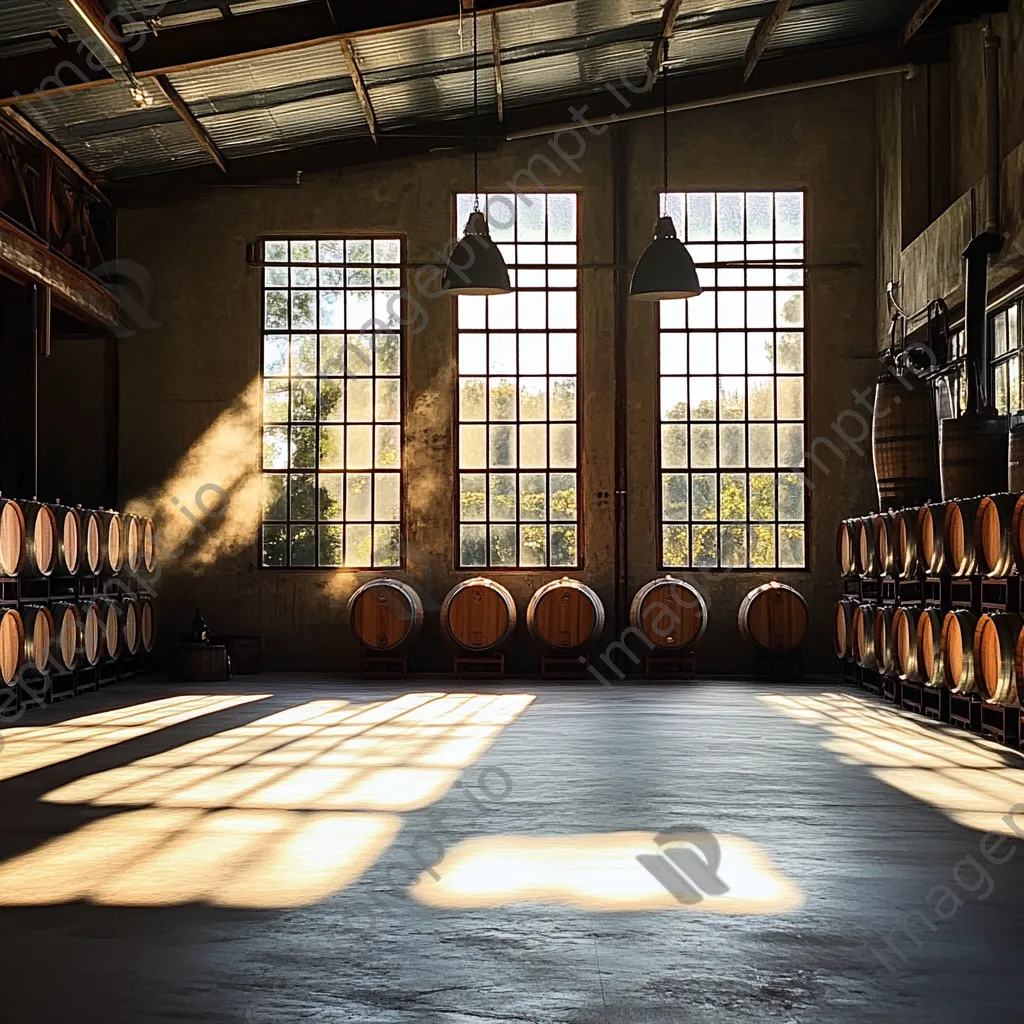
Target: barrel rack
(944, 592)
(34, 689)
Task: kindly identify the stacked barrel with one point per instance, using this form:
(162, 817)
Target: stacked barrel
(72, 601)
(920, 576)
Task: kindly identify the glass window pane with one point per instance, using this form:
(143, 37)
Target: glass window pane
(275, 401)
(275, 496)
(275, 546)
(387, 497)
(733, 497)
(358, 497)
(332, 546)
(473, 545)
(533, 496)
(359, 544)
(303, 545)
(303, 497)
(332, 448)
(332, 495)
(564, 546)
(472, 497)
(563, 497)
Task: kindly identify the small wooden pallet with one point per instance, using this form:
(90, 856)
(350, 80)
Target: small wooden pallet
(935, 703)
(871, 681)
(911, 697)
(1000, 723)
(479, 666)
(1000, 595)
(382, 666)
(936, 591)
(910, 592)
(964, 712)
(553, 666)
(671, 666)
(965, 593)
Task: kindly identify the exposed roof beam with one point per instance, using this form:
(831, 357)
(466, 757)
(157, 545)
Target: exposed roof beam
(668, 22)
(762, 36)
(362, 92)
(201, 134)
(95, 18)
(496, 51)
(916, 22)
(207, 43)
(779, 72)
(28, 260)
(46, 142)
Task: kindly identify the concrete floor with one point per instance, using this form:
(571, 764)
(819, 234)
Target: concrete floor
(580, 760)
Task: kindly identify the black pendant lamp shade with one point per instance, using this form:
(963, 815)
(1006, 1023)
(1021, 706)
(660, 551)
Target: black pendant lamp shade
(476, 266)
(665, 270)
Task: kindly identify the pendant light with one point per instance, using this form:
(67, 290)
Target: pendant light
(476, 266)
(665, 270)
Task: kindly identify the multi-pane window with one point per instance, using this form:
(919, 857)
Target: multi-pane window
(332, 403)
(1004, 330)
(518, 411)
(732, 386)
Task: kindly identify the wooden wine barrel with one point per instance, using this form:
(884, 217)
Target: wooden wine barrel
(385, 614)
(70, 637)
(40, 634)
(883, 641)
(147, 625)
(12, 538)
(842, 629)
(132, 627)
(906, 554)
(957, 640)
(993, 534)
(670, 613)
(904, 645)
(12, 645)
(885, 543)
(864, 546)
(845, 541)
(40, 559)
(774, 618)
(1015, 478)
(131, 531)
(930, 664)
(996, 640)
(930, 525)
(112, 610)
(112, 541)
(864, 635)
(958, 536)
(479, 615)
(564, 615)
(148, 545)
(1017, 534)
(69, 539)
(93, 625)
(904, 441)
(973, 455)
(92, 541)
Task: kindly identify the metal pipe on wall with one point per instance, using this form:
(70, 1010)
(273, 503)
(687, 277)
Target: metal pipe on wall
(620, 245)
(718, 101)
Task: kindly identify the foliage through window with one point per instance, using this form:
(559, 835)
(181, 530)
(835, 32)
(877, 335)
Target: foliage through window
(1004, 332)
(517, 396)
(332, 403)
(732, 386)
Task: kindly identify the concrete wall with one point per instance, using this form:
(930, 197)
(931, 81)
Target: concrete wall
(188, 418)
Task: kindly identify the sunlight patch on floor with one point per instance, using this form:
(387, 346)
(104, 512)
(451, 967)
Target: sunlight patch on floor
(600, 872)
(973, 781)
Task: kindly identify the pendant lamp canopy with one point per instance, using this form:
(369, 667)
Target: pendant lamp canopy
(666, 269)
(476, 266)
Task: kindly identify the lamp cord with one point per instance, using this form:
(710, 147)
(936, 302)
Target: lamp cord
(664, 123)
(476, 114)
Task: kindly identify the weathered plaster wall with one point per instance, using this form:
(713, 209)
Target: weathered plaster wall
(180, 380)
(930, 266)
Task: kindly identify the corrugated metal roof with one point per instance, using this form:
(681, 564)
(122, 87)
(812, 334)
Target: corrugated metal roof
(414, 75)
(567, 74)
(325, 119)
(257, 75)
(26, 17)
